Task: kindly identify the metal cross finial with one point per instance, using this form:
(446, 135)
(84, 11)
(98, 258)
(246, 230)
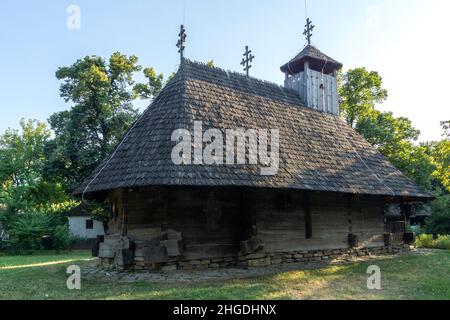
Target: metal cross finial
(181, 40)
(309, 27)
(248, 57)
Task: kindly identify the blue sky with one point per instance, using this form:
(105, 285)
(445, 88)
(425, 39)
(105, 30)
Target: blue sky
(405, 40)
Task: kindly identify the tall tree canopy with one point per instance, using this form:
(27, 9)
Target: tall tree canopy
(360, 90)
(22, 159)
(427, 164)
(101, 94)
(395, 137)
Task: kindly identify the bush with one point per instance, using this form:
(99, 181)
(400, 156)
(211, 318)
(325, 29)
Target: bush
(443, 242)
(27, 231)
(425, 241)
(439, 221)
(32, 232)
(61, 238)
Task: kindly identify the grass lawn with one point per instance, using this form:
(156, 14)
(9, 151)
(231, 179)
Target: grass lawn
(423, 276)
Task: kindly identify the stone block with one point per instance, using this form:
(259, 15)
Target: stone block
(174, 248)
(259, 262)
(277, 261)
(255, 256)
(169, 268)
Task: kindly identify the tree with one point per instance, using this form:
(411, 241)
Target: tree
(359, 91)
(394, 138)
(439, 221)
(446, 128)
(153, 86)
(440, 152)
(386, 132)
(101, 94)
(22, 159)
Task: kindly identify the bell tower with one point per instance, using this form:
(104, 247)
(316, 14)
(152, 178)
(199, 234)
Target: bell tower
(313, 75)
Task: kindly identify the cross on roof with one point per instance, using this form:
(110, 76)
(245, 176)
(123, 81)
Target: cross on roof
(181, 40)
(309, 27)
(248, 57)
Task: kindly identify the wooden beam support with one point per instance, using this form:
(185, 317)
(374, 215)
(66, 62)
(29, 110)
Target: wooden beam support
(349, 214)
(308, 216)
(165, 194)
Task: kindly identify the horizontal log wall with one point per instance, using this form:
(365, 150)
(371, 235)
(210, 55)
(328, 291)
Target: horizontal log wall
(284, 229)
(214, 222)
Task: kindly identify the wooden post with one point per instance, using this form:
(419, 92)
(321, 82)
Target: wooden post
(402, 209)
(306, 83)
(164, 194)
(124, 230)
(349, 214)
(308, 216)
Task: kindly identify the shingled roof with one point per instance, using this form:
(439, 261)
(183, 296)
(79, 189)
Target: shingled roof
(318, 151)
(317, 59)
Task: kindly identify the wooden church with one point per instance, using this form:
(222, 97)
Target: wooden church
(326, 200)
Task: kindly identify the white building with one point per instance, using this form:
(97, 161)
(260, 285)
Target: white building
(82, 225)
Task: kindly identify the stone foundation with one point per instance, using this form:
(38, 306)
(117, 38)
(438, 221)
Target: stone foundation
(260, 259)
(266, 259)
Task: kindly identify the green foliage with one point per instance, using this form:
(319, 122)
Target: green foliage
(394, 138)
(61, 237)
(439, 221)
(440, 153)
(99, 212)
(428, 164)
(443, 242)
(102, 111)
(27, 232)
(22, 160)
(425, 241)
(360, 90)
(385, 131)
(211, 64)
(446, 128)
(152, 87)
(102, 95)
(428, 241)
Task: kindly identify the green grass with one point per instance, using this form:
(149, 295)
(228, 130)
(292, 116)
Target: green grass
(408, 277)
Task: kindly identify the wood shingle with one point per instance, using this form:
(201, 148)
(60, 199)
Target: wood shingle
(318, 151)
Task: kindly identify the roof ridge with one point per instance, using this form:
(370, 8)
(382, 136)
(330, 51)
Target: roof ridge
(239, 74)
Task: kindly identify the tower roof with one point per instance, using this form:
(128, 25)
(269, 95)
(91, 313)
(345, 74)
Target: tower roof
(318, 151)
(317, 59)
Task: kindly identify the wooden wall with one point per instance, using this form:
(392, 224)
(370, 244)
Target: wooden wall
(332, 219)
(209, 221)
(214, 221)
(318, 91)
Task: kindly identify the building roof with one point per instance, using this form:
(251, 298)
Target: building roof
(82, 210)
(317, 59)
(318, 151)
